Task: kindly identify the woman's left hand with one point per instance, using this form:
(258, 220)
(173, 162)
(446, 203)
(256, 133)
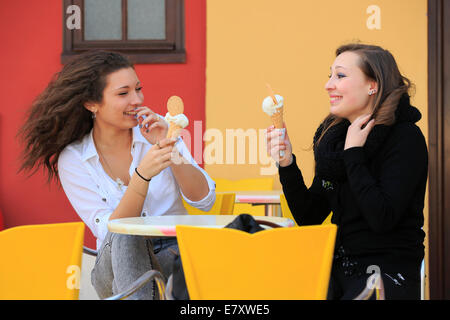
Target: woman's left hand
(153, 127)
(356, 135)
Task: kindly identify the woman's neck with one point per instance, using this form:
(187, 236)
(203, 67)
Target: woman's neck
(112, 139)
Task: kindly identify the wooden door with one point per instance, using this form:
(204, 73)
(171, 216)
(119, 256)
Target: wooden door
(439, 147)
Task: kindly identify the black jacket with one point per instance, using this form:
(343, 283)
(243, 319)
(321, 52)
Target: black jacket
(378, 208)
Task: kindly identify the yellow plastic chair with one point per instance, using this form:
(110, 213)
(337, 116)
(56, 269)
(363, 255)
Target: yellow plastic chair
(41, 262)
(256, 184)
(224, 205)
(286, 212)
(228, 201)
(279, 263)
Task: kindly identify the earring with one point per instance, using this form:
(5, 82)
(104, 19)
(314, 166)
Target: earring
(372, 91)
(93, 115)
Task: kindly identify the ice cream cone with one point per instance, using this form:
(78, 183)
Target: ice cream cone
(277, 118)
(173, 131)
(175, 106)
(275, 109)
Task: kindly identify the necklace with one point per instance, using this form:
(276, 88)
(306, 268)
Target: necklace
(119, 181)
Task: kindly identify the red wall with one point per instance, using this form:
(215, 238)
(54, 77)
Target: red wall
(31, 44)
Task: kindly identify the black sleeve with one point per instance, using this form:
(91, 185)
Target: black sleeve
(308, 206)
(384, 199)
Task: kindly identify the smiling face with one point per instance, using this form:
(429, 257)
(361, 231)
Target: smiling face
(122, 94)
(348, 88)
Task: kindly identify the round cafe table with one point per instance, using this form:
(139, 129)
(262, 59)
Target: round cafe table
(164, 226)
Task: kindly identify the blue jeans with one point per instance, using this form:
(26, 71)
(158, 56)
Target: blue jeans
(122, 259)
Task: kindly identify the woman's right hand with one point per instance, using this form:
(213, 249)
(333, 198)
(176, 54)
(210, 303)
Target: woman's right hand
(275, 144)
(157, 158)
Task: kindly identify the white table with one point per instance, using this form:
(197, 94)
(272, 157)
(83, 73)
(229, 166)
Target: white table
(165, 226)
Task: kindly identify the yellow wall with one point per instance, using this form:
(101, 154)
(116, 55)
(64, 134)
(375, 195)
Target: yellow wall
(290, 44)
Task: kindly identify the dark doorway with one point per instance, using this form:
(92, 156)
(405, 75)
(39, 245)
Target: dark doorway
(439, 147)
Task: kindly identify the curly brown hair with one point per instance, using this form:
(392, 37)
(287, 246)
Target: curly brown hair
(379, 65)
(58, 117)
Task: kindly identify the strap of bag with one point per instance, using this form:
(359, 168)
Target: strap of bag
(268, 223)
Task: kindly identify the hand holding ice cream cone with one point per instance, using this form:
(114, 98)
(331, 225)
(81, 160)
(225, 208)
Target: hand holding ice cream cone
(278, 142)
(175, 117)
(273, 105)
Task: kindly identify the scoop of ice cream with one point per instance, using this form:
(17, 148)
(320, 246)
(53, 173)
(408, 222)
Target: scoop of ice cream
(270, 107)
(179, 119)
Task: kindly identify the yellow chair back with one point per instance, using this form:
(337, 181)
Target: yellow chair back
(228, 200)
(256, 184)
(41, 262)
(286, 212)
(280, 263)
(224, 205)
(328, 219)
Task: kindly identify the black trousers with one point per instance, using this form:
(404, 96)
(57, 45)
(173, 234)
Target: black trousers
(349, 278)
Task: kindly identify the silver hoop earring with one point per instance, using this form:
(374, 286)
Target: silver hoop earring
(93, 115)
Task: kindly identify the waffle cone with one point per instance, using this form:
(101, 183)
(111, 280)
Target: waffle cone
(173, 131)
(277, 118)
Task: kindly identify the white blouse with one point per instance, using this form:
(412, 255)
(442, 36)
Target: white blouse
(94, 195)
